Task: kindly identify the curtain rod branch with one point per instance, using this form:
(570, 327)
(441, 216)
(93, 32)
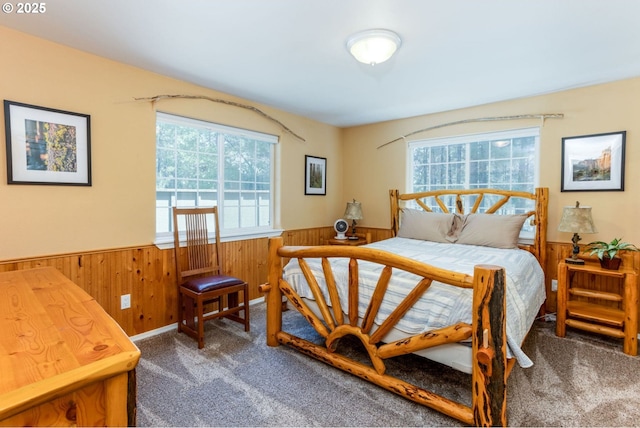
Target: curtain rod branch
(221, 101)
(481, 119)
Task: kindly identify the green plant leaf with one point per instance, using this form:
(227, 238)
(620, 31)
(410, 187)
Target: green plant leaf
(600, 248)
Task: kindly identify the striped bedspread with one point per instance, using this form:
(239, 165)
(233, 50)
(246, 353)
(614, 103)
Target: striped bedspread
(441, 305)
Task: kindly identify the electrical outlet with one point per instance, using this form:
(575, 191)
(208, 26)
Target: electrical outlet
(554, 285)
(125, 301)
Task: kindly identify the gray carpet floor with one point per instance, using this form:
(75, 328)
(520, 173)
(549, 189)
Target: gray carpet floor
(236, 380)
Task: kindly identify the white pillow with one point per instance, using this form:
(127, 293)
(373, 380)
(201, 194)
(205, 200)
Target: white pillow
(424, 225)
(489, 230)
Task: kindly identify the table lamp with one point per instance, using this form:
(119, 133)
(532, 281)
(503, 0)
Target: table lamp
(576, 220)
(353, 213)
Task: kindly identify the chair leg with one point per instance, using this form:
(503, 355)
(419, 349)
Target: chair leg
(200, 310)
(245, 295)
(180, 311)
(232, 300)
(189, 312)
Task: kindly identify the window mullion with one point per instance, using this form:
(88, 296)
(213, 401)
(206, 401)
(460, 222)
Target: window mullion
(256, 207)
(467, 165)
(221, 185)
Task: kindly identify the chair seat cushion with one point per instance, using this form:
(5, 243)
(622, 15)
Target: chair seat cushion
(209, 283)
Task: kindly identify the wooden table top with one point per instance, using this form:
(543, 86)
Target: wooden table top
(355, 242)
(54, 338)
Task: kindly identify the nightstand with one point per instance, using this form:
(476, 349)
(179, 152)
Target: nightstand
(354, 242)
(588, 313)
(362, 239)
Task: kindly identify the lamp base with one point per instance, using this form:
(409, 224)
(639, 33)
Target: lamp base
(572, 261)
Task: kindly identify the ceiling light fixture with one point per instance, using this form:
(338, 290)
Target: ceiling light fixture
(373, 46)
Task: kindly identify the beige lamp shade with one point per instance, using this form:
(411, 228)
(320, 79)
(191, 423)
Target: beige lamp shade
(577, 220)
(353, 211)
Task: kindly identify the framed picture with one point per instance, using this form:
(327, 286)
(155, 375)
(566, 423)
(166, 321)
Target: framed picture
(315, 175)
(593, 162)
(47, 146)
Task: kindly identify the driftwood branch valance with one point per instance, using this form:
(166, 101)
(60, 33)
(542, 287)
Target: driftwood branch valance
(480, 119)
(221, 101)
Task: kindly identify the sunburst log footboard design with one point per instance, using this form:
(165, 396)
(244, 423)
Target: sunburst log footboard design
(487, 330)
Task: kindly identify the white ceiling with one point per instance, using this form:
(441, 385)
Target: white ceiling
(291, 54)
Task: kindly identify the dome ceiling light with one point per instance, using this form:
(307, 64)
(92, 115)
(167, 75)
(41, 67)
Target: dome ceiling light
(373, 46)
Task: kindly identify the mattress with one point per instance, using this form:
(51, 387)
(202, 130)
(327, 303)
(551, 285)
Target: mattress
(442, 305)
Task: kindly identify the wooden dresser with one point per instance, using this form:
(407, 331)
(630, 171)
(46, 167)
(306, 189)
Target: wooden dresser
(63, 360)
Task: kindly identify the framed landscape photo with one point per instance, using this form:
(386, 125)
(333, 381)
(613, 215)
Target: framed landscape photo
(315, 175)
(593, 162)
(47, 146)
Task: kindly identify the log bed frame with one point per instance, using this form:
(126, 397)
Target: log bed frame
(490, 366)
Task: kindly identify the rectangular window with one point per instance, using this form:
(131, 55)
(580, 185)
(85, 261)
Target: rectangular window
(205, 164)
(507, 160)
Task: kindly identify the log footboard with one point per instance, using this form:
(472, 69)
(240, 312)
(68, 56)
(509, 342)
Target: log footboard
(487, 330)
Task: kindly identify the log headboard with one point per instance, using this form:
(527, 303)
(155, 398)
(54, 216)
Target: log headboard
(477, 198)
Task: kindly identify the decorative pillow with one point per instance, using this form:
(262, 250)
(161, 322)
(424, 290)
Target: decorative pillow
(428, 226)
(489, 230)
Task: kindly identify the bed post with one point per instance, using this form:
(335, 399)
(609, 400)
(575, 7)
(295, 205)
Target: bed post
(542, 200)
(489, 341)
(395, 213)
(273, 294)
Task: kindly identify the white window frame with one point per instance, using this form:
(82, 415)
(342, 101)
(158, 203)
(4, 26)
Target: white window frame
(471, 138)
(165, 239)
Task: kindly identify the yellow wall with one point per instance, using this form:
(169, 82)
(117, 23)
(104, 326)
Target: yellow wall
(597, 109)
(118, 210)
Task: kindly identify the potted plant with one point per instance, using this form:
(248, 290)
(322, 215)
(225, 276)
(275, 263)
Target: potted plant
(606, 252)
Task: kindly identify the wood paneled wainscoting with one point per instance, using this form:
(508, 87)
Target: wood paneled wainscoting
(147, 273)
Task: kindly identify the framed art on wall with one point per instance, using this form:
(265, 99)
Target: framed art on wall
(315, 175)
(47, 146)
(593, 162)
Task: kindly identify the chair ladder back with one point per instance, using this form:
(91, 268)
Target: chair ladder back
(201, 257)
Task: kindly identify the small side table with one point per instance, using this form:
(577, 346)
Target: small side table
(353, 242)
(620, 323)
(363, 238)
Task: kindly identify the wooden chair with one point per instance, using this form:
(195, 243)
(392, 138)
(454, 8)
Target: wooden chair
(200, 277)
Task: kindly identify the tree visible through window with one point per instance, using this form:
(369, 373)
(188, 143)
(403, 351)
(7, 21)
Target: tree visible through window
(505, 160)
(205, 164)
